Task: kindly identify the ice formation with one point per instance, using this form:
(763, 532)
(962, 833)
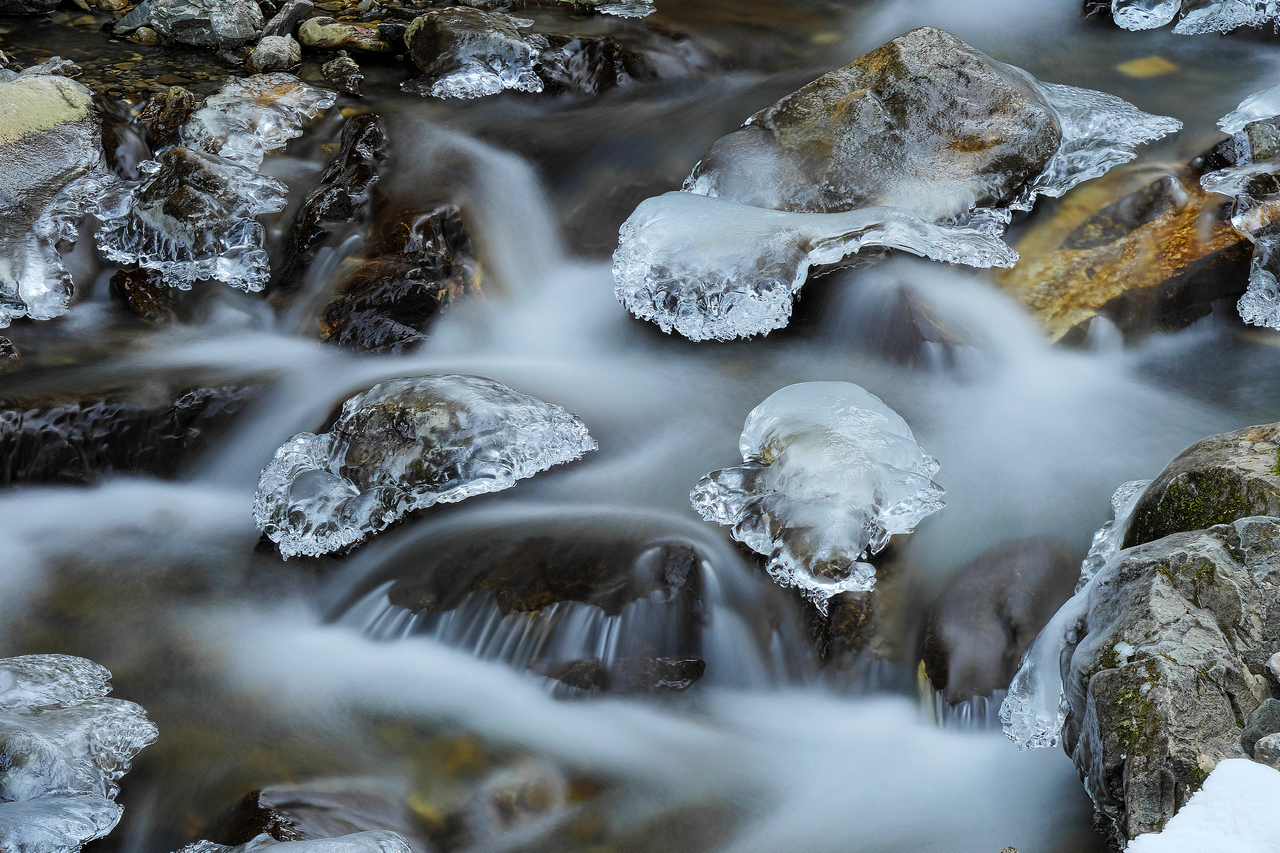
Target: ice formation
(467, 53)
(63, 748)
(1034, 711)
(711, 268)
(732, 269)
(405, 445)
(829, 473)
(193, 216)
(1198, 16)
(1253, 154)
(55, 174)
(374, 841)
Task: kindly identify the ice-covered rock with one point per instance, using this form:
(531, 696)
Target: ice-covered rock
(193, 216)
(1197, 16)
(55, 173)
(467, 53)
(373, 841)
(219, 24)
(405, 445)
(1110, 537)
(710, 268)
(829, 473)
(924, 126)
(63, 748)
(621, 8)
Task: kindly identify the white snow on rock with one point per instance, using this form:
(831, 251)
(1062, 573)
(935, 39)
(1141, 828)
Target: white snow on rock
(405, 445)
(829, 473)
(1235, 812)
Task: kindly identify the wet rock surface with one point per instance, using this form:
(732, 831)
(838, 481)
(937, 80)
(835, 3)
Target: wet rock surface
(988, 616)
(467, 53)
(1214, 481)
(216, 24)
(631, 675)
(83, 440)
(1166, 666)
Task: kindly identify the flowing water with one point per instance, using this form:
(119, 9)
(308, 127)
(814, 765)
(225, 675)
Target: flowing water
(261, 672)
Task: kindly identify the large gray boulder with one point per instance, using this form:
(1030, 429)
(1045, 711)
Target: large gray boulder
(1215, 481)
(924, 120)
(216, 24)
(1167, 664)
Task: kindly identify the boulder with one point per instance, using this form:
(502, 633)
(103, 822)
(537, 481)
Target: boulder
(924, 105)
(284, 22)
(1267, 751)
(275, 53)
(467, 53)
(217, 24)
(1265, 720)
(327, 34)
(343, 74)
(1144, 247)
(1167, 664)
(988, 616)
(1214, 481)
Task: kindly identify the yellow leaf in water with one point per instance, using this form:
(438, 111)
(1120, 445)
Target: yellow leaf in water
(1150, 66)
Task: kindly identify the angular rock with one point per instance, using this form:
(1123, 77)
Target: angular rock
(343, 74)
(275, 53)
(1265, 720)
(145, 294)
(1267, 751)
(1146, 248)
(284, 22)
(829, 473)
(405, 445)
(414, 272)
(342, 198)
(1165, 665)
(327, 34)
(988, 616)
(218, 24)
(1214, 481)
(51, 139)
(631, 675)
(165, 114)
(466, 53)
(80, 441)
(27, 7)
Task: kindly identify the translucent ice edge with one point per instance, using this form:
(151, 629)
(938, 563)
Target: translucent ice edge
(1034, 711)
(829, 474)
(373, 841)
(475, 81)
(715, 269)
(241, 123)
(308, 507)
(1259, 105)
(1211, 17)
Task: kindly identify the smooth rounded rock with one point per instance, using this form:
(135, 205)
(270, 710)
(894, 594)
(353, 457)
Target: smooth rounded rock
(207, 23)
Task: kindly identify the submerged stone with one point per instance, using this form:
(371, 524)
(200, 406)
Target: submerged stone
(829, 473)
(405, 445)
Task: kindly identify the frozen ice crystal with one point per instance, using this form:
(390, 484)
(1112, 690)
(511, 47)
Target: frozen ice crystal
(1034, 710)
(404, 445)
(1144, 14)
(193, 215)
(1198, 16)
(375, 841)
(63, 748)
(711, 268)
(829, 473)
(55, 174)
(924, 145)
(467, 53)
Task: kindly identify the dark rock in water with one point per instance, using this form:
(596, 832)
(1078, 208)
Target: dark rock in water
(219, 24)
(589, 65)
(275, 53)
(343, 74)
(323, 809)
(8, 353)
(27, 7)
(631, 675)
(1265, 720)
(1166, 665)
(78, 441)
(1214, 481)
(467, 53)
(166, 112)
(284, 22)
(924, 106)
(421, 266)
(145, 294)
(342, 198)
(988, 616)
(1145, 247)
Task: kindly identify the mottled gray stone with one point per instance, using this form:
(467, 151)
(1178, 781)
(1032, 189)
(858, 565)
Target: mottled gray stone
(207, 23)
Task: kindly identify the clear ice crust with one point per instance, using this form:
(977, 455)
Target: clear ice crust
(721, 270)
(405, 445)
(374, 841)
(193, 216)
(829, 474)
(1198, 16)
(1034, 711)
(63, 748)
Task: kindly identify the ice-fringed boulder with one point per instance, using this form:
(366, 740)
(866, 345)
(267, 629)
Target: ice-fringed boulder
(1198, 16)
(63, 748)
(924, 132)
(1252, 178)
(193, 216)
(374, 841)
(405, 445)
(829, 474)
(55, 173)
